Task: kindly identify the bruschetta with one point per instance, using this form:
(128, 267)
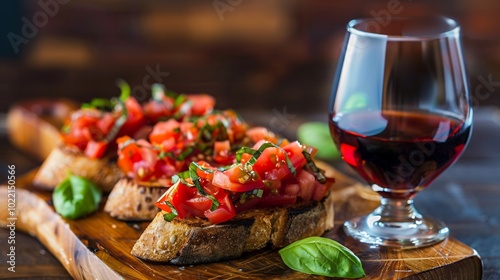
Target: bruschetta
(271, 195)
(88, 146)
(149, 165)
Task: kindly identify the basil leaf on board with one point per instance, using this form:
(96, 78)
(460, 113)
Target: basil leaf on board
(76, 197)
(317, 134)
(322, 256)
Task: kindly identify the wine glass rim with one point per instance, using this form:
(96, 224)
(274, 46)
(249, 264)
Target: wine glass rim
(452, 30)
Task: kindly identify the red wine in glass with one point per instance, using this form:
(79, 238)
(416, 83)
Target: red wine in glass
(400, 114)
(399, 152)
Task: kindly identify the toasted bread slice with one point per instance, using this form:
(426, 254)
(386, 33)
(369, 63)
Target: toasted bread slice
(195, 240)
(131, 201)
(63, 159)
(33, 125)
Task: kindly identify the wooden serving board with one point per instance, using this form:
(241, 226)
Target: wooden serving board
(98, 246)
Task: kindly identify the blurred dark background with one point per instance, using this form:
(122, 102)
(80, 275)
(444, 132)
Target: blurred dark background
(248, 54)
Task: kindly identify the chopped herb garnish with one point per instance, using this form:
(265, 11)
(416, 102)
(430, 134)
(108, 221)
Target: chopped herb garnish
(157, 92)
(99, 103)
(256, 154)
(311, 166)
(125, 90)
(170, 216)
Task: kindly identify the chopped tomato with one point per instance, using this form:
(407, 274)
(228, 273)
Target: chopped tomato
(272, 163)
(96, 149)
(257, 134)
(292, 189)
(76, 137)
(222, 153)
(106, 122)
(164, 131)
(208, 173)
(294, 152)
(224, 212)
(271, 159)
(320, 191)
(306, 184)
(198, 205)
(202, 104)
(93, 131)
(179, 198)
(239, 187)
(159, 110)
(167, 196)
(223, 181)
(135, 118)
(220, 215)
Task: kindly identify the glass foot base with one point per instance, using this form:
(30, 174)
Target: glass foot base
(412, 233)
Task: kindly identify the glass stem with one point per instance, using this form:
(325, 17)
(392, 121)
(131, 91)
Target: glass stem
(396, 211)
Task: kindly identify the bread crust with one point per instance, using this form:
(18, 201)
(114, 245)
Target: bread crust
(131, 201)
(63, 159)
(194, 240)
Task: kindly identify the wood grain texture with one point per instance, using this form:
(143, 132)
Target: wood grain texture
(98, 247)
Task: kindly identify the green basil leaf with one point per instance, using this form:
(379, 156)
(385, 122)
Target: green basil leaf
(169, 217)
(124, 89)
(76, 197)
(122, 119)
(322, 256)
(311, 166)
(99, 103)
(317, 134)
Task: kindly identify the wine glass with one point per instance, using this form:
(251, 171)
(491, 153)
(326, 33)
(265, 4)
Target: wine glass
(400, 114)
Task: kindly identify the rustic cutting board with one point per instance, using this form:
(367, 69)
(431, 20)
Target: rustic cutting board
(98, 247)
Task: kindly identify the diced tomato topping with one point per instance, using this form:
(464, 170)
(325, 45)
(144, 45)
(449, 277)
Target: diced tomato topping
(292, 189)
(271, 159)
(240, 187)
(222, 152)
(306, 183)
(163, 131)
(135, 118)
(320, 191)
(257, 134)
(94, 131)
(223, 181)
(224, 212)
(294, 152)
(159, 110)
(198, 205)
(208, 173)
(178, 199)
(202, 104)
(220, 214)
(95, 149)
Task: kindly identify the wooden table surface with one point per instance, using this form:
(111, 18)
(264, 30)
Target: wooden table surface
(466, 197)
